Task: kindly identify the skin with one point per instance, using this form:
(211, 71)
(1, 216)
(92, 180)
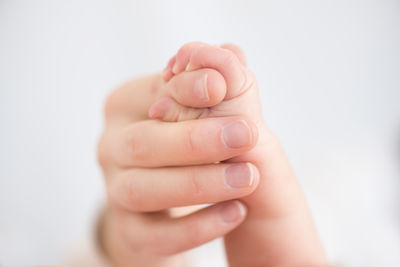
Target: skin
(164, 135)
(144, 179)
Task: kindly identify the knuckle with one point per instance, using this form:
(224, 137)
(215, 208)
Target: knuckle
(112, 103)
(193, 233)
(156, 245)
(190, 145)
(124, 192)
(135, 149)
(118, 196)
(184, 51)
(112, 194)
(195, 187)
(237, 50)
(132, 196)
(230, 58)
(188, 50)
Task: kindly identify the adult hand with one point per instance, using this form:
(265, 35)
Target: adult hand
(152, 166)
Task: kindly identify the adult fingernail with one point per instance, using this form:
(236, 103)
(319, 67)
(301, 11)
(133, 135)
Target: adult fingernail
(200, 88)
(232, 211)
(239, 175)
(237, 134)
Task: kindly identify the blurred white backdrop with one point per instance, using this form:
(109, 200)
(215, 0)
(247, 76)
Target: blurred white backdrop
(329, 72)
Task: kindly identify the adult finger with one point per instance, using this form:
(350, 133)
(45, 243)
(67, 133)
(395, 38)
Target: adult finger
(155, 143)
(164, 236)
(147, 190)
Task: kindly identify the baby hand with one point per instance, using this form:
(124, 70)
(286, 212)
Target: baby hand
(278, 230)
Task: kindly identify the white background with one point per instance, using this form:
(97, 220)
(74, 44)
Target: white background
(329, 73)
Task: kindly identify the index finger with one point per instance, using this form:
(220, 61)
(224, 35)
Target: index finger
(156, 144)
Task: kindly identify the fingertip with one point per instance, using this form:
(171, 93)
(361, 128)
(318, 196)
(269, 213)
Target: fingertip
(152, 112)
(253, 131)
(255, 174)
(159, 108)
(240, 133)
(167, 73)
(216, 87)
(242, 210)
(182, 61)
(232, 212)
(176, 69)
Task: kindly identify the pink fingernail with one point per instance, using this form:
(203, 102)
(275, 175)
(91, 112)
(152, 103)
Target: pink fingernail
(237, 134)
(175, 68)
(200, 88)
(232, 211)
(239, 175)
(171, 64)
(188, 67)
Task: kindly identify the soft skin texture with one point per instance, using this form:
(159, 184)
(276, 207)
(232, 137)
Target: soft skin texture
(278, 230)
(195, 134)
(151, 166)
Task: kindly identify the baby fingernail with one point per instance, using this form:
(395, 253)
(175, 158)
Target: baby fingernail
(200, 88)
(232, 211)
(239, 175)
(188, 67)
(175, 68)
(237, 134)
